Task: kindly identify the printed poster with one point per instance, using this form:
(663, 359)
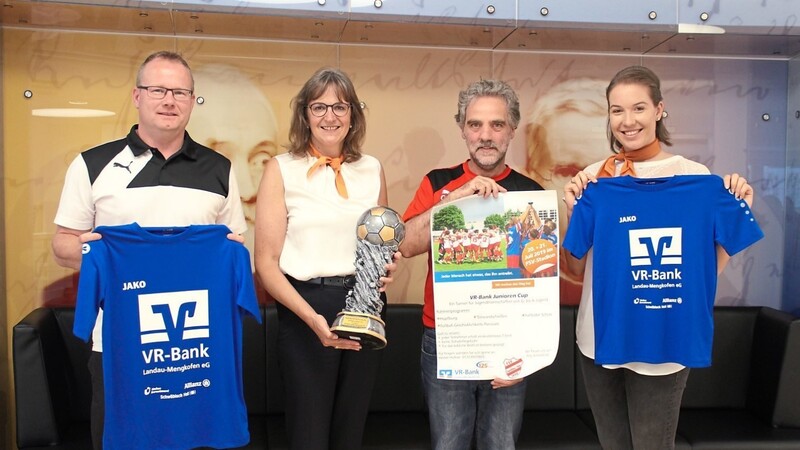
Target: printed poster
(496, 285)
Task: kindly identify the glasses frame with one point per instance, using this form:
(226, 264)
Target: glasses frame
(166, 91)
(327, 107)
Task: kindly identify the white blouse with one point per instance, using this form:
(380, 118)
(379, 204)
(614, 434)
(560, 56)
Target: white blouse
(321, 230)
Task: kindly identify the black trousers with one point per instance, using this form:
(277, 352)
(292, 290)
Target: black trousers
(97, 413)
(327, 390)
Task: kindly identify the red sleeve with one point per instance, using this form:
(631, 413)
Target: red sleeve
(423, 200)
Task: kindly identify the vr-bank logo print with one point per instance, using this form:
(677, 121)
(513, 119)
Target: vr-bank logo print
(655, 246)
(173, 316)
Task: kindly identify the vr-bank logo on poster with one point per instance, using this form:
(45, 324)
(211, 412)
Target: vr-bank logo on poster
(173, 316)
(655, 246)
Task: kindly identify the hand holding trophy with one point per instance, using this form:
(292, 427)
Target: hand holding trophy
(379, 231)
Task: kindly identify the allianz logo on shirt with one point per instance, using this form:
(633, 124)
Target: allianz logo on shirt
(173, 316)
(656, 247)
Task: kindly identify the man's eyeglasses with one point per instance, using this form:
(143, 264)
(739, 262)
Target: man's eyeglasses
(320, 109)
(158, 92)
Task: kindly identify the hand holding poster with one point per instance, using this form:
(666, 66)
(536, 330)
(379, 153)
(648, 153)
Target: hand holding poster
(495, 281)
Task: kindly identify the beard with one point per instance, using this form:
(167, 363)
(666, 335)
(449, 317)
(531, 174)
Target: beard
(488, 162)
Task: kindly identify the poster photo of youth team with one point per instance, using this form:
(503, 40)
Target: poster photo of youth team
(520, 238)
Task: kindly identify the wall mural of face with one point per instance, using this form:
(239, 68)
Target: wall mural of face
(565, 132)
(236, 120)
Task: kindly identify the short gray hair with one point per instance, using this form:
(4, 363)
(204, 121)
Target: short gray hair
(488, 88)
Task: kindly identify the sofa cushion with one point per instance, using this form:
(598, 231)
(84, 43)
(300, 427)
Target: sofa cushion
(51, 379)
(553, 387)
(751, 389)
(733, 429)
(724, 384)
(399, 385)
(254, 365)
(555, 430)
(404, 430)
(46, 353)
(774, 388)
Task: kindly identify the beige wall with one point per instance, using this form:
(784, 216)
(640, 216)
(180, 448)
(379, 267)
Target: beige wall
(411, 96)
(410, 103)
(5, 423)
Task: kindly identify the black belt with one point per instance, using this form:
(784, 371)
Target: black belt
(347, 281)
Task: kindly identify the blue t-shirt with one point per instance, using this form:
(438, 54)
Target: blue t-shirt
(513, 246)
(173, 302)
(552, 238)
(655, 266)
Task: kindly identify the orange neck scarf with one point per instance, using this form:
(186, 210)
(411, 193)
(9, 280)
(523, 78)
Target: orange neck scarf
(336, 165)
(628, 158)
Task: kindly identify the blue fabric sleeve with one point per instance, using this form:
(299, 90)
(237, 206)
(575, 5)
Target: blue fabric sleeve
(246, 298)
(580, 232)
(89, 298)
(735, 227)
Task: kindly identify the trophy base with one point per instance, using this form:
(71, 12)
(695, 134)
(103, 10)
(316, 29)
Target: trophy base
(364, 328)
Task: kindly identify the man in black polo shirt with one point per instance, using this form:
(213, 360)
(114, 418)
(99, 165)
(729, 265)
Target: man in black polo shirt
(155, 176)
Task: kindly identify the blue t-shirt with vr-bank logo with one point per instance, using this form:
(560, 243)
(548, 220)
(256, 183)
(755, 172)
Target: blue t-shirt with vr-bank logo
(173, 301)
(655, 266)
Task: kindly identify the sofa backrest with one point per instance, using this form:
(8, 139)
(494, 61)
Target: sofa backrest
(554, 387)
(724, 384)
(399, 386)
(774, 391)
(274, 383)
(72, 359)
(51, 376)
(76, 364)
(254, 364)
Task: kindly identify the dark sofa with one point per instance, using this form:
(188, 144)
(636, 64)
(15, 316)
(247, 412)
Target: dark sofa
(749, 399)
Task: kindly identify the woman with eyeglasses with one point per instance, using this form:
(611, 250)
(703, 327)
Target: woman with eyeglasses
(309, 201)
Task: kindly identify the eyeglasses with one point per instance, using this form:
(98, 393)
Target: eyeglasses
(158, 92)
(320, 109)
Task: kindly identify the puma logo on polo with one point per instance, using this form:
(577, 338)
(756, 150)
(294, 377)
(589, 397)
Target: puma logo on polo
(128, 167)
